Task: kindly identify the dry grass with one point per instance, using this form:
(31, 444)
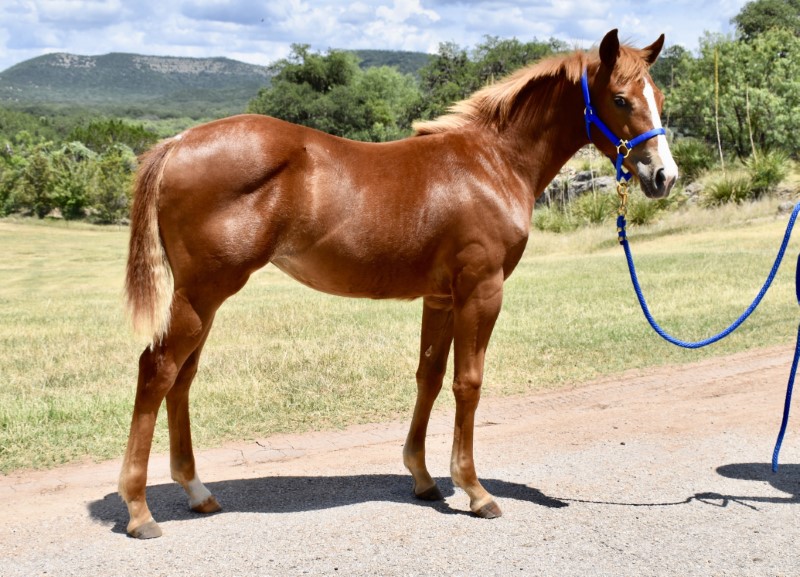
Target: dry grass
(284, 358)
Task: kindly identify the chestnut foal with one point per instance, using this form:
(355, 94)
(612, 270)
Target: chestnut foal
(443, 215)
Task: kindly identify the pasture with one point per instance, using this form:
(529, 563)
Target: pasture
(283, 358)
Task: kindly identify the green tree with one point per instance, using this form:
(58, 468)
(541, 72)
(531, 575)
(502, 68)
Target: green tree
(12, 165)
(36, 185)
(111, 190)
(74, 169)
(759, 92)
(447, 78)
(664, 69)
(331, 93)
(496, 58)
(12, 122)
(100, 135)
(760, 16)
(454, 73)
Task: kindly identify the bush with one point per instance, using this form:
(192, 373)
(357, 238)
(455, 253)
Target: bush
(693, 157)
(766, 171)
(595, 208)
(642, 210)
(727, 188)
(552, 219)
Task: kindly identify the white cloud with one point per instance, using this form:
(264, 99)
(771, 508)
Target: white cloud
(260, 31)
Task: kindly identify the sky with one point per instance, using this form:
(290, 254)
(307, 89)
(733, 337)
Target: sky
(262, 31)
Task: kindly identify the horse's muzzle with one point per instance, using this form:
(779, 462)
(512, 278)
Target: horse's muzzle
(656, 181)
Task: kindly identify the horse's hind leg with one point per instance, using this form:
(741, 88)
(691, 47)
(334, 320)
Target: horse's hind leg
(159, 368)
(435, 341)
(182, 464)
(475, 314)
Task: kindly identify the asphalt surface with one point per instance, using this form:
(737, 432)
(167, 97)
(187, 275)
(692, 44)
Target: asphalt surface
(662, 472)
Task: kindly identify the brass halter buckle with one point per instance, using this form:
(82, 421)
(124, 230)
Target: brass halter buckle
(625, 146)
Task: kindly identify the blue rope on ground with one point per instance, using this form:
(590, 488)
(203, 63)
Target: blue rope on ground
(621, 224)
(786, 404)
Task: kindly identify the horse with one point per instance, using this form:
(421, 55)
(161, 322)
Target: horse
(443, 215)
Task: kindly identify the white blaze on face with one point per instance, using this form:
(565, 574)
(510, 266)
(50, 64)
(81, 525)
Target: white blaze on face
(670, 168)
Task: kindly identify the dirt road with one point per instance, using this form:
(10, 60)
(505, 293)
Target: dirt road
(663, 472)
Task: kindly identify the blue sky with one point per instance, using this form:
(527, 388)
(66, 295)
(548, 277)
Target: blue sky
(261, 31)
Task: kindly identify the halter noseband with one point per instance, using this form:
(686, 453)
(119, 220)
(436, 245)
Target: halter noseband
(624, 147)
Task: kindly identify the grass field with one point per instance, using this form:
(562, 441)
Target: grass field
(284, 358)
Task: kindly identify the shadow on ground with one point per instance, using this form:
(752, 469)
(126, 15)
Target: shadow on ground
(786, 480)
(295, 494)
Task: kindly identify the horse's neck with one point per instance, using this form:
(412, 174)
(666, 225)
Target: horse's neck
(544, 148)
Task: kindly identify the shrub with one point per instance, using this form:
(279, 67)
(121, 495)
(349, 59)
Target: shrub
(595, 208)
(642, 210)
(727, 188)
(693, 157)
(552, 219)
(766, 171)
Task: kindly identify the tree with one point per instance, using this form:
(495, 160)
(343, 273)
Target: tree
(331, 93)
(447, 78)
(760, 16)
(36, 185)
(111, 190)
(100, 135)
(496, 58)
(74, 169)
(454, 74)
(663, 71)
(759, 92)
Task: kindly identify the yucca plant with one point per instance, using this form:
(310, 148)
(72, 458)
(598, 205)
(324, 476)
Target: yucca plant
(553, 219)
(727, 188)
(766, 171)
(595, 208)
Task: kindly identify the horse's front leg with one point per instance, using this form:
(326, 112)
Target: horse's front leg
(477, 304)
(435, 340)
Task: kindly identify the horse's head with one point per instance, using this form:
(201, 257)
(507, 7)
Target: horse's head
(627, 104)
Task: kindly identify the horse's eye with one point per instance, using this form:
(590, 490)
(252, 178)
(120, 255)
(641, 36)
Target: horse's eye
(620, 101)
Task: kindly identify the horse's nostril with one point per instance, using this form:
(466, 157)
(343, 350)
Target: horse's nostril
(661, 178)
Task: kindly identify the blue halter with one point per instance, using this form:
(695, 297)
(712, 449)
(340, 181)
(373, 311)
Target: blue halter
(624, 147)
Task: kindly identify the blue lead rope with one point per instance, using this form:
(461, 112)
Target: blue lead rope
(698, 344)
(624, 148)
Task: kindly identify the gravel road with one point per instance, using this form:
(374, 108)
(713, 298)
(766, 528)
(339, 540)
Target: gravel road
(661, 472)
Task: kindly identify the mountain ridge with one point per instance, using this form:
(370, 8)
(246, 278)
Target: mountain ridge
(201, 87)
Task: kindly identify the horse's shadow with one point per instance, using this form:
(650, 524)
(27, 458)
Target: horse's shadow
(296, 494)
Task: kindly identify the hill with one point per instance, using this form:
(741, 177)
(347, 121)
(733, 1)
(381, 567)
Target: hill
(125, 82)
(405, 62)
(138, 86)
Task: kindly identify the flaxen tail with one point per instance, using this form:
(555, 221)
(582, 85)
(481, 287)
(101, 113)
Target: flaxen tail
(148, 281)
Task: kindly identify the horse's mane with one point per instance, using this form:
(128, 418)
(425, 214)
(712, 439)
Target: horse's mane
(497, 104)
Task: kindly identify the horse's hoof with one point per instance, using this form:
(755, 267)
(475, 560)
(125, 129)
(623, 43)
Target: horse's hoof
(431, 494)
(149, 530)
(210, 505)
(490, 510)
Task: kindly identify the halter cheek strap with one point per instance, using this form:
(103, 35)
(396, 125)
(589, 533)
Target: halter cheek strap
(624, 147)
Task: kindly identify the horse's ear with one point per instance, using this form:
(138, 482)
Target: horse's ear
(651, 52)
(609, 49)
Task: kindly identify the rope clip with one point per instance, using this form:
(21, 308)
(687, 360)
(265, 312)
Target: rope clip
(622, 192)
